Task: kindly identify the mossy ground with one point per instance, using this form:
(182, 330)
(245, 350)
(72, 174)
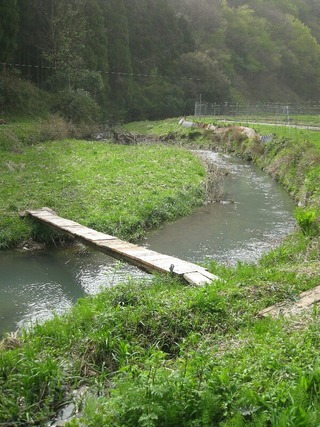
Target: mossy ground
(164, 354)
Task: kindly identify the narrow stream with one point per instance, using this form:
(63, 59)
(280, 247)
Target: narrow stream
(254, 215)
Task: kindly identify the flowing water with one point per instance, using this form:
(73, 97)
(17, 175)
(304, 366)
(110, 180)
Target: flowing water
(254, 215)
(34, 285)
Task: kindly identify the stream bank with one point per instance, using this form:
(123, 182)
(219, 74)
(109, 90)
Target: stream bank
(251, 214)
(132, 344)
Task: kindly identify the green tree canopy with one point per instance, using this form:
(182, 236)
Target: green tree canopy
(142, 58)
(9, 27)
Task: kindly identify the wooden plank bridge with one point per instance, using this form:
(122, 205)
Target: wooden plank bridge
(145, 259)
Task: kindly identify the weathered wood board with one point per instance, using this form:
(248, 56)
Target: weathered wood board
(306, 301)
(146, 259)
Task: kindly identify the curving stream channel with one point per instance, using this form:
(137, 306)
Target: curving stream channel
(254, 215)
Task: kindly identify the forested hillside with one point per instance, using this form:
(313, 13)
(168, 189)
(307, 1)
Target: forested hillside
(136, 59)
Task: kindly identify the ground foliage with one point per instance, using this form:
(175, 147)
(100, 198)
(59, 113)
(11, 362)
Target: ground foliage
(164, 354)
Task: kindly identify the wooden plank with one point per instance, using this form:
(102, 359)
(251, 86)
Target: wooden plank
(209, 275)
(59, 222)
(151, 258)
(306, 301)
(142, 254)
(119, 244)
(43, 211)
(68, 225)
(197, 279)
(139, 256)
(177, 266)
(92, 235)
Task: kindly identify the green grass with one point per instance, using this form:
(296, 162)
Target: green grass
(280, 119)
(292, 133)
(160, 127)
(122, 190)
(162, 353)
(167, 128)
(293, 158)
(170, 132)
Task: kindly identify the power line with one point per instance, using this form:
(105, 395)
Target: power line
(117, 73)
(27, 66)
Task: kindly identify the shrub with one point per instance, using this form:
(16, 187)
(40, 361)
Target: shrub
(308, 221)
(21, 98)
(77, 106)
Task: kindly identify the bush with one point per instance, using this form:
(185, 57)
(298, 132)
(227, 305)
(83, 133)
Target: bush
(308, 221)
(77, 106)
(19, 97)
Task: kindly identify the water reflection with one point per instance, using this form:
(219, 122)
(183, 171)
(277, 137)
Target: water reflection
(34, 286)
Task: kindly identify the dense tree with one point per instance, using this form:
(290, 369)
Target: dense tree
(95, 76)
(206, 21)
(158, 37)
(52, 34)
(65, 38)
(255, 41)
(9, 26)
(156, 98)
(300, 58)
(208, 79)
(309, 14)
(119, 58)
(31, 41)
(151, 58)
(248, 39)
(64, 46)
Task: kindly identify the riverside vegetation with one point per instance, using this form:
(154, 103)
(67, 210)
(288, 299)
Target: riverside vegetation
(123, 190)
(162, 353)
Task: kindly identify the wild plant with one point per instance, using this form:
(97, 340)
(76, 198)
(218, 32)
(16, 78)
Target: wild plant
(308, 221)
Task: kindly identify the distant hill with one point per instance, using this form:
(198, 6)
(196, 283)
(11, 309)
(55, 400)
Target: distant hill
(268, 49)
(136, 59)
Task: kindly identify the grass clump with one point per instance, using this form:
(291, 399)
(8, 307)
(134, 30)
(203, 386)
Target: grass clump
(307, 220)
(16, 134)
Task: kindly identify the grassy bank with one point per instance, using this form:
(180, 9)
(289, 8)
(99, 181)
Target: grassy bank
(121, 190)
(163, 354)
(292, 157)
